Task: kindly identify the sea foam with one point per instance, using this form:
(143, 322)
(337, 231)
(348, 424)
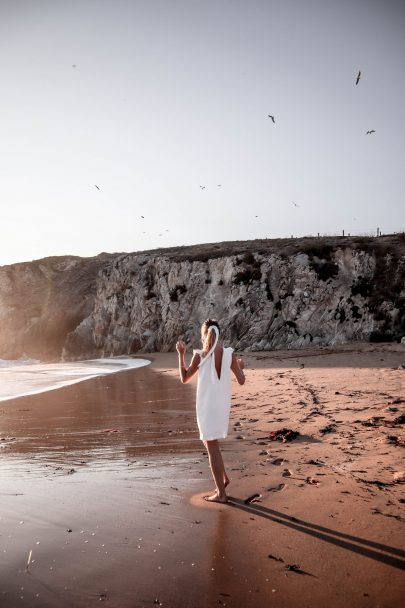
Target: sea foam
(23, 377)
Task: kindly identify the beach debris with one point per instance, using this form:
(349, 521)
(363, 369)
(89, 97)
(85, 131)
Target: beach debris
(398, 420)
(374, 421)
(286, 473)
(263, 453)
(312, 481)
(71, 471)
(162, 502)
(376, 482)
(376, 511)
(29, 560)
(282, 435)
(293, 567)
(329, 428)
(277, 488)
(296, 568)
(277, 559)
(253, 498)
(394, 439)
(316, 462)
(110, 431)
(278, 461)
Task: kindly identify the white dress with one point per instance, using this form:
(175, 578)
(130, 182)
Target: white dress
(214, 397)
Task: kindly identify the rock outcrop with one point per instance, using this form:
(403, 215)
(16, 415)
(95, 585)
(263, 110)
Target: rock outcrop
(43, 301)
(265, 295)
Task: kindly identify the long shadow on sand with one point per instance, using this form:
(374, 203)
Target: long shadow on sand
(368, 548)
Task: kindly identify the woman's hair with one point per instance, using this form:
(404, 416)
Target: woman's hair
(210, 336)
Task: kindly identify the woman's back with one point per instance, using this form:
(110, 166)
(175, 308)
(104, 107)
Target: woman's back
(214, 394)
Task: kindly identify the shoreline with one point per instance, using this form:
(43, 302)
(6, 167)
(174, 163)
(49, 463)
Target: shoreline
(326, 528)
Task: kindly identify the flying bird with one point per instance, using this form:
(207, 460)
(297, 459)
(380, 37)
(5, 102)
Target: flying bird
(295, 204)
(202, 187)
(219, 185)
(358, 78)
(272, 117)
(369, 132)
(143, 217)
(95, 185)
(74, 65)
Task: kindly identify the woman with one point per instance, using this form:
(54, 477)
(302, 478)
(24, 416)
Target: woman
(214, 364)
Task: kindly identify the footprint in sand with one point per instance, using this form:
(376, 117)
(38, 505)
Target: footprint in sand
(278, 461)
(286, 473)
(277, 488)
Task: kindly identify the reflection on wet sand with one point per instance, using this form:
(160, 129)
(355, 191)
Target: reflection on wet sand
(135, 412)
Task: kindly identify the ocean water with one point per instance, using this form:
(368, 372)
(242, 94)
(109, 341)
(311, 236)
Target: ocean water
(23, 376)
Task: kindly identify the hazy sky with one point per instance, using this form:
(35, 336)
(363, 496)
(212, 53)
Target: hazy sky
(171, 95)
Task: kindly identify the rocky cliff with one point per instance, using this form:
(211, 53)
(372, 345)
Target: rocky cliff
(42, 302)
(265, 294)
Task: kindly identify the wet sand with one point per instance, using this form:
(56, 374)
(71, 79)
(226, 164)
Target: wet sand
(103, 481)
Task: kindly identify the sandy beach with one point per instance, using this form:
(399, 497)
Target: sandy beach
(103, 482)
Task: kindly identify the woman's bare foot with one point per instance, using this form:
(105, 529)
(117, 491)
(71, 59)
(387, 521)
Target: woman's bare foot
(227, 481)
(216, 498)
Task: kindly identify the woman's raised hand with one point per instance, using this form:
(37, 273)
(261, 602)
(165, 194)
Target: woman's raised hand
(181, 347)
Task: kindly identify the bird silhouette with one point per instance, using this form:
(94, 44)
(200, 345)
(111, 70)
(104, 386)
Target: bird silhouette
(219, 185)
(295, 204)
(358, 78)
(202, 187)
(143, 217)
(74, 65)
(369, 132)
(272, 117)
(95, 185)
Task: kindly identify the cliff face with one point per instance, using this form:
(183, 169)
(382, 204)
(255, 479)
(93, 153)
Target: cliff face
(41, 302)
(265, 295)
(263, 300)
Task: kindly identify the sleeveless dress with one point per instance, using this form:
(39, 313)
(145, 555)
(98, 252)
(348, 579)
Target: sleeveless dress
(214, 397)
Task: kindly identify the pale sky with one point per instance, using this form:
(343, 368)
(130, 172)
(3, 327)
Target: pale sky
(171, 95)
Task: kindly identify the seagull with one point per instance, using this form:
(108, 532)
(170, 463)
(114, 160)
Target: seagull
(202, 187)
(143, 217)
(95, 185)
(272, 117)
(369, 132)
(358, 77)
(74, 65)
(295, 204)
(219, 185)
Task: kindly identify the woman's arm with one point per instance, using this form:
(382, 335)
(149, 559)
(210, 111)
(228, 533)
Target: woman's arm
(186, 373)
(237, 367)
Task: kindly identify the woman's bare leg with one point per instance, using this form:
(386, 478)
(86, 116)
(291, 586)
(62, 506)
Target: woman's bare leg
(218, 471)
(225, 476)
